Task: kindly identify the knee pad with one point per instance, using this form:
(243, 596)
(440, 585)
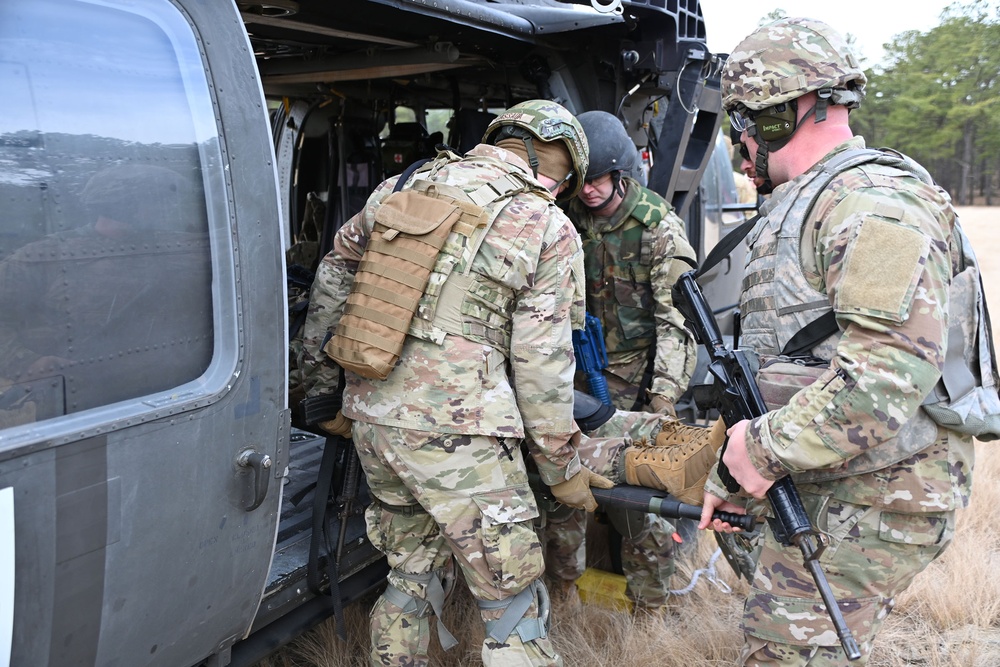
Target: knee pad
(423, 607)
(528, 629)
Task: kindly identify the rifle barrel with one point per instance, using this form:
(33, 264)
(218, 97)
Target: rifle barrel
(847, 641)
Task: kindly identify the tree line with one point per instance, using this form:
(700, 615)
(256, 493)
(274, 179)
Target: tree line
(936, 97)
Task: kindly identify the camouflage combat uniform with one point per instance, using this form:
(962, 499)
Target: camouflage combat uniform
(439, 438)
(875, 473)
(630, 272)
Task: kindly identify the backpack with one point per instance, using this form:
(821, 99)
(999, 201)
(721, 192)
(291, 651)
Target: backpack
(966, 399)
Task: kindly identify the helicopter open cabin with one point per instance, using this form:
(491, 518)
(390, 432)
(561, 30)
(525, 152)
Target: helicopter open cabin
(171, 172)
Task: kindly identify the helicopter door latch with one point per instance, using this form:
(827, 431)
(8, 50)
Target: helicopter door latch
(260, 464)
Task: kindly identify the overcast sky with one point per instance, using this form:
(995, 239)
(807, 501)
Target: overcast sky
(872, 22)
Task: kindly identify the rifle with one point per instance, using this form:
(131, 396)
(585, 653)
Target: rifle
(592, 357)
(737, 397)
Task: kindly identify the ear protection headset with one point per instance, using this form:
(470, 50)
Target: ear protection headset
(777, 122)
(774, 126)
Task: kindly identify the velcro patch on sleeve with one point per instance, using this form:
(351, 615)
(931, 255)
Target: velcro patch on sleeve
(882, 267)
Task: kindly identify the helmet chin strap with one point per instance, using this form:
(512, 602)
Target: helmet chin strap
(529, 146)
(616, 189)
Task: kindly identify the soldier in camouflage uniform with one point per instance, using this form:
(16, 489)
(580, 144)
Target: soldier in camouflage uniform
(877, 245)
(487, 361)
(631, 239)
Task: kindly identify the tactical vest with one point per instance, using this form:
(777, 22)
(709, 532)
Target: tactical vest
(415, 276)
(778, 300)
(618, 265)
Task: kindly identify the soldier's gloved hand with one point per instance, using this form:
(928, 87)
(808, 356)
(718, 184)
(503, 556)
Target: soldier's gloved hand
(575, 491)
(339, 425)
(662, 405)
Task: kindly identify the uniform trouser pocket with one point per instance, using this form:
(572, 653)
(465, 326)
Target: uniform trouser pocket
(872, 556)
(511, 550)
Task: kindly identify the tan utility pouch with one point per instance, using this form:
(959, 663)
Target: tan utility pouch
(410, 230)
(780, 378)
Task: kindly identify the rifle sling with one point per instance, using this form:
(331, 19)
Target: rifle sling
(726, 246)
(806, 338)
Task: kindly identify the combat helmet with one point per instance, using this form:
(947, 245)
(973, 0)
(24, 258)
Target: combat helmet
(611, 150)
(788, 58)
(545, 121)
(774, 66)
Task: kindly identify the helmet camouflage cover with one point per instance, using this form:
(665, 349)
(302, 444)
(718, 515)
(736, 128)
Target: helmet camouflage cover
(785, 60)
(548, 121)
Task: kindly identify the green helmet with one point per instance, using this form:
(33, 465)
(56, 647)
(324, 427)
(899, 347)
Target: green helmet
(788, 58)
(545, 121)
(611, 149)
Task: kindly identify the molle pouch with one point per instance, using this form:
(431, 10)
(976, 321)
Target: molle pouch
(780, 378)
(410, 230)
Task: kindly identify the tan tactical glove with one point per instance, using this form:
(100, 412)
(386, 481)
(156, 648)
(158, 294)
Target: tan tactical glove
(662, 405)
(678, 462)
(575, 491)
(339, 425)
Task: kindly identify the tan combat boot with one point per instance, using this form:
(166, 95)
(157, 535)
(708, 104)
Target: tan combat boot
(678, 462)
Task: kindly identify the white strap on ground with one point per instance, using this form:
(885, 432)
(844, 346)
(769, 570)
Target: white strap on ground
(710, 574)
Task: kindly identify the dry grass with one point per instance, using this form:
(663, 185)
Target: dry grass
(700, 630)
(949, 617)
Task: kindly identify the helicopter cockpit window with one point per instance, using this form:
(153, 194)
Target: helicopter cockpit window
(106, 234)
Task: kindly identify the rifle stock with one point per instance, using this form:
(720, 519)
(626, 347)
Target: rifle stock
(737, 397)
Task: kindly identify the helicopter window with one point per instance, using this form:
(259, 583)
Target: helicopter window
(106, 235)
(408, 139)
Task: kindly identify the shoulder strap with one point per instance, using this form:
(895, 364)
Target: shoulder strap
(405, 176)
(726, 245)
(840, 163)
(809, 336)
